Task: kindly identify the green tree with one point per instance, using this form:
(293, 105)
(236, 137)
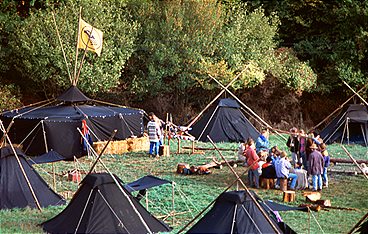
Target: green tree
(181, 42)
(331, 35)
(37, 55)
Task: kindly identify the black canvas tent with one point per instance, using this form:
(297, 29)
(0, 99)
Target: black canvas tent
(350, 126)
(236, 212)
(14, 190)
(224, 122)
(99, 206)
(40, 129)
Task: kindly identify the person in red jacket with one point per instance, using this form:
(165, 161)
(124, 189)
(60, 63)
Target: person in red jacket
(252, 161)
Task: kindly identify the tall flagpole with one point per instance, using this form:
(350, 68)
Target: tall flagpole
(82, 61)
(62, 48)
(76, 52)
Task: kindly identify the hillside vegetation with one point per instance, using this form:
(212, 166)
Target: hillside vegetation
(290, 56)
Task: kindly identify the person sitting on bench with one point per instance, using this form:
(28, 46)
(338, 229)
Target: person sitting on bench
(282, 170)
(268, 169)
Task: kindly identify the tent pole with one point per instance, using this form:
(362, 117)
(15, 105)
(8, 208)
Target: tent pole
(309, 219)
(246, 188)
(47, 150)
(353, 159)
(83, 57)
(234, 216)
(365, 140)
(213, 100)
(21, 167)
(343, 133)
(365, 102)
(341, 106)
(103, 150)
(12, 122)
(347, 130)
(205, 127)
(147, 201)
(62, 48)
(76, 49)
(173, 201)
(115, 180)
(329, 137)
(213, 201)
(248, 108)
(357, 225)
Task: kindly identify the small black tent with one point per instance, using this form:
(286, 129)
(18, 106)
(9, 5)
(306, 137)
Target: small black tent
(99, 206)
(14, 190)
(350, 126)
(40, 129)
(236, 212)
(224, 122)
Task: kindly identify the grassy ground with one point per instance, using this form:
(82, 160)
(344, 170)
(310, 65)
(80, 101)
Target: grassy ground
(194, 192)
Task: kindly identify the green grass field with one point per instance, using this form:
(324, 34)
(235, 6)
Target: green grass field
(194, 192)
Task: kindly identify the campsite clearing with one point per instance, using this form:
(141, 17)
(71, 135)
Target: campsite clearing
(194, 192)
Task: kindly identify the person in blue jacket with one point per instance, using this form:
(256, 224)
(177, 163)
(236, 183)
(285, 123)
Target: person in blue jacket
(262, 143)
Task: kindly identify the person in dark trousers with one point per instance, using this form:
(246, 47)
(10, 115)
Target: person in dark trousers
(293, 144)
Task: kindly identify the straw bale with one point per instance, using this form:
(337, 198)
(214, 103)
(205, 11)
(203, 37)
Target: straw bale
(123, 146)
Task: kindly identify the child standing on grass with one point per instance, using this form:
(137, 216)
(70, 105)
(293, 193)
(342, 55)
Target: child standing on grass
(252, 160)
(154, 133)
(326, 158)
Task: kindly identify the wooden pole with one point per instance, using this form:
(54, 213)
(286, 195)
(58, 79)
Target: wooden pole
(347, 152)
(76, 49)
(21, 167)
(341, 106)
(213, 201)
(12, 122)
(173, 201)
(116, 182)
(62, 48)
(102, 151)
(246, 189)
(361, 98)
(243, 104)
(357, 225)
(213, 100)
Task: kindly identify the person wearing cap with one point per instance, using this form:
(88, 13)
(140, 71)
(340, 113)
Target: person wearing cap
(316, 164)
(293, 144)
(283, 167)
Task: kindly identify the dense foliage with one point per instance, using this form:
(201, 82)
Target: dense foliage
(167, 50)
(331, 35)
(36, 54)
(177, 45)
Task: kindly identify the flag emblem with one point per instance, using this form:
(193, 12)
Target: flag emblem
(89, 37)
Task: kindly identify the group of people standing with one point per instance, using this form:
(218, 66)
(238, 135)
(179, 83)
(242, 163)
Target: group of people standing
(308, 155)
(309, 151)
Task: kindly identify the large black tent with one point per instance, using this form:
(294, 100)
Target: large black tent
(224, 122)
(350, 126)
(14, 190)
(100, 206)
(236, 212)
(41, 129)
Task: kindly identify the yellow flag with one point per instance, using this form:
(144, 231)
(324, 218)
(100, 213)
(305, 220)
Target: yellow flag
(89, 37)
